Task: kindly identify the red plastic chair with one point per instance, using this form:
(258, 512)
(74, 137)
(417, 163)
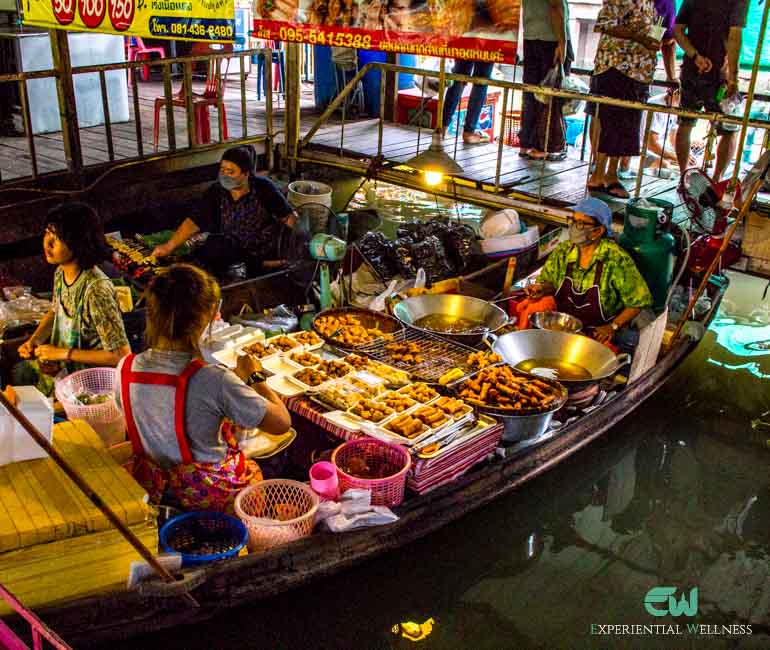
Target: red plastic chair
(201, 102)
(136, 50)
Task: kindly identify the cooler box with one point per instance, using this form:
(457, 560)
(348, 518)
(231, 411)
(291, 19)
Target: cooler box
(408, 107)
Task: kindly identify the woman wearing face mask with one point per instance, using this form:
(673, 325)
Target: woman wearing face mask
(592, 277)
(244, 212)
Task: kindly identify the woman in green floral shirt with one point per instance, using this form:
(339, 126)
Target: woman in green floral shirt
(592, 277)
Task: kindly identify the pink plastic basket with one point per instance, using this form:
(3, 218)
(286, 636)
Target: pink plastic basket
(106, 418)
(276, 512)
(393, 460)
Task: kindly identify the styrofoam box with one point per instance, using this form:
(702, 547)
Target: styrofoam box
(15, 443)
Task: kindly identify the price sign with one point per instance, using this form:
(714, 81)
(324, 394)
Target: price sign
(92, 12)
(63, 11)
(121, 14)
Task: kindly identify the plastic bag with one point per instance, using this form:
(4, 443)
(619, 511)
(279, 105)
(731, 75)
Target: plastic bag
(279, 320)
(463, 249)
(430, 255)
(552, 79)
(378, 252)
(575, 85)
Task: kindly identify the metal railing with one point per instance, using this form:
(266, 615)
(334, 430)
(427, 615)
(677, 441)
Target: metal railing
(186, 99)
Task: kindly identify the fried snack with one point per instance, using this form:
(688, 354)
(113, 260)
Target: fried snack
(419, 392)
(306, 359)
(482, 359)
(451, 17)
(285, 10)
(500, 387)
(283, 343)
(406, 426)
(311, 377)
(334, 368)
(399, 403)
(450, 406)
(431, 416)
(340, 395)
(405, 352)
(347, 329)
(307, 338)
(392, 376)
(363, 381)
(259, 350)
(371, 411)
(357, 361)
(504, 14)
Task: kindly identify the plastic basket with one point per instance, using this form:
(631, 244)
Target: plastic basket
(511, 128)
(393, 460)
(203, 536)
(276, 512)
(106, 419)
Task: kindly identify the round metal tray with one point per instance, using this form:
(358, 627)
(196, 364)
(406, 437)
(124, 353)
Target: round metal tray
(368, 319)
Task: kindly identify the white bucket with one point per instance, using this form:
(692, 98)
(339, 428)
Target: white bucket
(304, 192)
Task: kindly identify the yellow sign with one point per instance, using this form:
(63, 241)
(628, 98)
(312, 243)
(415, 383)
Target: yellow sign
(190, 20)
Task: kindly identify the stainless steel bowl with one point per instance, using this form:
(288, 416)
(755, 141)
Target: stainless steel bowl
(598, 360)
(556, 321)
(523, 427)
(490, 317)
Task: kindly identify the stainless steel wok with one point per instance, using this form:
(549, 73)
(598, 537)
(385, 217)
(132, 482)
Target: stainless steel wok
(597, 359)
(490, 317)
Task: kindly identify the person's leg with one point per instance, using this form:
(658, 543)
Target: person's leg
(596, 181)
(683, 136)
(529, 105)
(482, 70)
(455, 92)
(728, 143)
(557, 132)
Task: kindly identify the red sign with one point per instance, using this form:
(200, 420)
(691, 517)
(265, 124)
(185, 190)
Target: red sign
(92, 12)
(64, 11)
(121, 14)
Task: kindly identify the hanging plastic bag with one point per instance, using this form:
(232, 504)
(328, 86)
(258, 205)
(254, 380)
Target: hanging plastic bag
(576, 85)
(552, 79)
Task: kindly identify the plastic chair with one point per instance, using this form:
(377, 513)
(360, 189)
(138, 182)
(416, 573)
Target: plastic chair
(136, 50)
(345, 67)
(212, 95)
(279, 71)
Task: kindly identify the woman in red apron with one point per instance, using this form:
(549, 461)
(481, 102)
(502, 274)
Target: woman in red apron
(592, 277)
(183, 415)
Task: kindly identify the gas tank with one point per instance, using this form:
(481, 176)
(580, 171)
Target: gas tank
(651, 249)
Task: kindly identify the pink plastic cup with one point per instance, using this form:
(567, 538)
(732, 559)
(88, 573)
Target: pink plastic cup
(323, 479)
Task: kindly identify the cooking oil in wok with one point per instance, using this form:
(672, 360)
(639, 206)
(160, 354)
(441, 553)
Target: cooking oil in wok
(448, 323)
(555, 368)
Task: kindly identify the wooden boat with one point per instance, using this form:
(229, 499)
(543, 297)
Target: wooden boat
(233, 583)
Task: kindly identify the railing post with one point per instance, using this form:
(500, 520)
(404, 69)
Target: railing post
(65, 91)
(293, 96)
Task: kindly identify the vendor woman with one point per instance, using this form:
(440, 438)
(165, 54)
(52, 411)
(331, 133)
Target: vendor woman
(244, 214)
(181, 414)
(592, 277)
(84, 326)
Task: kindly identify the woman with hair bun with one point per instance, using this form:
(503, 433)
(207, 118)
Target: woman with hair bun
(181, 412)
(84, 326)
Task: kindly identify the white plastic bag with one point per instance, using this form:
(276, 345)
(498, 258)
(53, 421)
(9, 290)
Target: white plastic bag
(575, 85)
(552, 79)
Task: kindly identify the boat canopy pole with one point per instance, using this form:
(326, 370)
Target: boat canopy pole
(83, 485)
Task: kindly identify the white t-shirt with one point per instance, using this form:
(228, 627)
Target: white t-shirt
(659, 119)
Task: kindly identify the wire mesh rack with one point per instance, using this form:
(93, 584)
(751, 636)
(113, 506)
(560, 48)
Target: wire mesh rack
(438, 355)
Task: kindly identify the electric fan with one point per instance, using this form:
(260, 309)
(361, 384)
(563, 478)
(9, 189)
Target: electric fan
(701, 197)
(315, 242)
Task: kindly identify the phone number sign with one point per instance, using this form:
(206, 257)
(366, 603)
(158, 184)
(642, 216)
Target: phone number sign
(190, 20)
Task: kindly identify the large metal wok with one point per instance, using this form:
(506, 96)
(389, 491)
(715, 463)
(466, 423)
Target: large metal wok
(490, 317)
(526, 345)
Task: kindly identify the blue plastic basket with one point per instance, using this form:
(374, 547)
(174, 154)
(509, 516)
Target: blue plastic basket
(202, 536)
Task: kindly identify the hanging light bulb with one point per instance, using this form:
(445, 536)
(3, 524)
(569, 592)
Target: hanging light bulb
(435, 162)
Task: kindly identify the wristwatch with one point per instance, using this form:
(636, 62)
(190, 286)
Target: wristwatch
(255, 377)
(615, 327)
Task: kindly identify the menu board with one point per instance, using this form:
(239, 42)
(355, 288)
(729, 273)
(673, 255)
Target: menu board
(479, 30)
(184, 20)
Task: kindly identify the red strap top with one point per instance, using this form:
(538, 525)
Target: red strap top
(178, 382)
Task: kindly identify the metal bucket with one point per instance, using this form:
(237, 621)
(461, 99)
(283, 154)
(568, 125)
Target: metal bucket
(597, 359)
(522, 427)
(491, 317)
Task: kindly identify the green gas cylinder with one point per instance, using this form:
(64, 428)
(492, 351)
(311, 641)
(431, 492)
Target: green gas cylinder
(651, 249)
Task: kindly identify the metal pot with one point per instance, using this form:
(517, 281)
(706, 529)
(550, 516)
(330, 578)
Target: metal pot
(597, 359)
(490, 317)
(522, 427)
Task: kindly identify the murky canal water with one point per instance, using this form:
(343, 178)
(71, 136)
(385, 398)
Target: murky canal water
(678, 495)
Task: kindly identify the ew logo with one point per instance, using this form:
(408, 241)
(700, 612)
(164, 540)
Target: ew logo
(657, 596)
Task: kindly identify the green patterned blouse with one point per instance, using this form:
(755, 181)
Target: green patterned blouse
(620, 286)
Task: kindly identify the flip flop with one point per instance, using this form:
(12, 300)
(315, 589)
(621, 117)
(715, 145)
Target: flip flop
(525, 154)
(618, 195)
(556, 156)
(596, 189)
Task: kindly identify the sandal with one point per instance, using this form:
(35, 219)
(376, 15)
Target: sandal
(619, 192)
(477, 137)
(596, 189)
(525, 153)
(556, 156)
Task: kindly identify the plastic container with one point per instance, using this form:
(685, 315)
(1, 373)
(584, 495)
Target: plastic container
(510, 244)
(203, 536)
(276, 512)
(324, 480)
(394, 459)
(15, 443)
(106, 418)
(314, 194)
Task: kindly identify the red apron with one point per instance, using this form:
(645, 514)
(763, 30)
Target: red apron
(197, 486)
(585, 305)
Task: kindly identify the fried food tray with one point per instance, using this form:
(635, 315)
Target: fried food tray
(440, 355)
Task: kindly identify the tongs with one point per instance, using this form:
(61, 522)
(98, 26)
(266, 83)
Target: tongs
(432, 445)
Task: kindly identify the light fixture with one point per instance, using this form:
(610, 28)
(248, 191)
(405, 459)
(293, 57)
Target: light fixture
(435, 162)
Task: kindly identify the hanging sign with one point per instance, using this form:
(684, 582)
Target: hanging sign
(480, 30)
(183, 20)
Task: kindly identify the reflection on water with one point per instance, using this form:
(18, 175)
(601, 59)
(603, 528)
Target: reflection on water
(677, 495)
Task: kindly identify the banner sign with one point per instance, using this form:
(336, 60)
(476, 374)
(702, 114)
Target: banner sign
(480, 30)
(182, 20)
